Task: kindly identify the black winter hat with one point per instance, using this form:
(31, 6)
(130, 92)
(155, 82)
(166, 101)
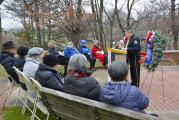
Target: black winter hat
(22, 51)
(8, 45)
(50, 60)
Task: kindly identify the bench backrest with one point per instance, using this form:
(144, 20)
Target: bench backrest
(72, 107)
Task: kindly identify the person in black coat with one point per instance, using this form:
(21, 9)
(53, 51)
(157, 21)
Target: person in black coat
(62, 60)
(47, 75)
(51, 48)
(133, 57)
(20, 60)
(78, 80)
(7, 59)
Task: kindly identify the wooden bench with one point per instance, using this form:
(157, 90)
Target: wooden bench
(70, 107)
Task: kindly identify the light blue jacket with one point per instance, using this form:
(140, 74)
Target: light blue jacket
(30, 67)
(124, 95)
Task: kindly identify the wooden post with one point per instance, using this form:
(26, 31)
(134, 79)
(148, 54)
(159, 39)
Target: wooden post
(109, 62)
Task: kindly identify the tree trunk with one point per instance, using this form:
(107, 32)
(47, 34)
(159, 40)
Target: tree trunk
(37, 22)
(1, 41)
(111, 31)
(95, 19)
(118, 18)
(101, 23)
(174, 25)
(79, 11)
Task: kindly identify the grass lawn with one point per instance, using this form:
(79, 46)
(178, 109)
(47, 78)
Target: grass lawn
(14, 113)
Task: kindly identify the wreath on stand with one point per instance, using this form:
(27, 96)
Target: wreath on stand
(155, 51)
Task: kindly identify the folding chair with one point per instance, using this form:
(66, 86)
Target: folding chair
(27, 96)
(33, 99)
(11, 83)
(39, 103)
(21, 91)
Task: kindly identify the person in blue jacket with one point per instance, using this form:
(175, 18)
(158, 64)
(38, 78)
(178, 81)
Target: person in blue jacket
(119, 92)
(70, 50)
(87, 52)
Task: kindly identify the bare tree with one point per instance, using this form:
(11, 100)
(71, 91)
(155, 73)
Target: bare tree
(174, 24)
(0, 26)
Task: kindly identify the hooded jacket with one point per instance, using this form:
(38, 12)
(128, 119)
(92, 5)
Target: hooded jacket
(87, 87)
(124, 95)
(8, 61)
(30, 67)
(49, 78)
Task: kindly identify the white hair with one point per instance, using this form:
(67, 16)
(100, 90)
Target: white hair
(77, 62)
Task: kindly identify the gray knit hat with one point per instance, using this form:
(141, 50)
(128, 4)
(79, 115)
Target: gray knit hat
(35, 51)
(118, 71)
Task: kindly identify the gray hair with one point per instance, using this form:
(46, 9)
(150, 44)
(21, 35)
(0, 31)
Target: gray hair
(77, 62)
(118, 71)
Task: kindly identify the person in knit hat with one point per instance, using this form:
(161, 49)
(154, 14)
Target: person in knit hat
(87, 52)
(47, 74)
(119, 92)
(20, 60)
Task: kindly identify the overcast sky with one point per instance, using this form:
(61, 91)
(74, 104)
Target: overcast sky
(9, 22)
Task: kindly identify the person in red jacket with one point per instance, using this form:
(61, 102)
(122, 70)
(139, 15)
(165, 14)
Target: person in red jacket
(98, 53)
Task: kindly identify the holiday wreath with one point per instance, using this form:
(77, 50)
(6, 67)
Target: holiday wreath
(155, 48)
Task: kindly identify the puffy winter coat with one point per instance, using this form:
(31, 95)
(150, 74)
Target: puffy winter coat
(68, 51)
(124, 95)
(86, 51)
(87, 87)
(19, 63)
(49, 78)
(8, 61)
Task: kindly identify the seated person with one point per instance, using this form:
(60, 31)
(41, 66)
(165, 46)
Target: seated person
(7, 59)
(98, 53)
(47, 74)
(62, 60)
(32, 61)
(78, 80)
(87, 52)
(119, 92)
(52, 48)
(70, 50)
(20, 60)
